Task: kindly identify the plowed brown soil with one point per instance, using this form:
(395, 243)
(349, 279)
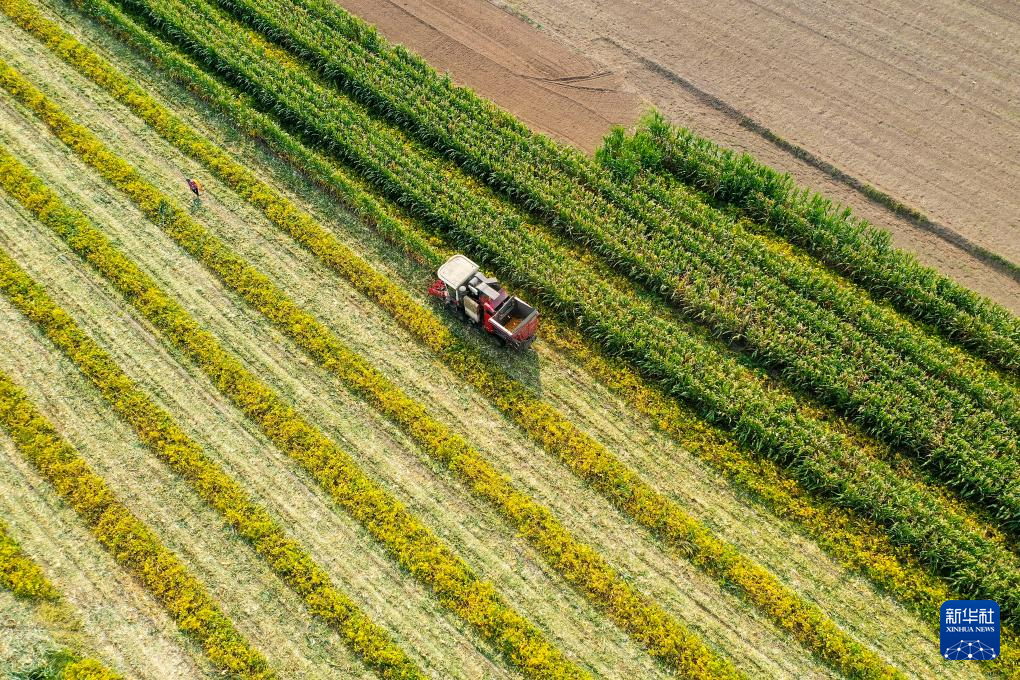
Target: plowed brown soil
(550, 86)
(919, 103)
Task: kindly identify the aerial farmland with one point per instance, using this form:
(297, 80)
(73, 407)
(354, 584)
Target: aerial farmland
(507, 338)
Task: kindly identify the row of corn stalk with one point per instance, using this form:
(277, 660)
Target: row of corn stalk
(547, 178)
(543, 423)
(131, 543)
(832, 234)
(724, 388)
(649, 624)
(881, 327)
(158, 431)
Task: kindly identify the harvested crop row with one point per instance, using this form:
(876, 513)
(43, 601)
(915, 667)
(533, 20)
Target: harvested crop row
(130, 542)
(833, 235)
(895, 398)
(721, 386)
(411, 543)
(158, 431)
(543, 423)
(579, 564)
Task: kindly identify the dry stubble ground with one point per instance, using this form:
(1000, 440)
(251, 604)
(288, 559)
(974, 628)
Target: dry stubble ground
(440, 501)
(124, 625)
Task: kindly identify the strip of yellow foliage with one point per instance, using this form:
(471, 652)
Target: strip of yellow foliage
(128, 540)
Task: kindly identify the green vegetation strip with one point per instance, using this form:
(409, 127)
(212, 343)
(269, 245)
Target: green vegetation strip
(411, 543)
(129, 541)
(157, 430)
(832, 234)
(724, 389)
(542, 422)
(63, 665)
(646, 621)
(19, 574)
(687, 251)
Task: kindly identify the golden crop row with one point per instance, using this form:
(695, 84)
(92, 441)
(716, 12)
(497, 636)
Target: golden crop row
(24, 578)
(131, 543)
(64, 665)
(157, 430)
(19, 574)
(540, 420)
(411, 543)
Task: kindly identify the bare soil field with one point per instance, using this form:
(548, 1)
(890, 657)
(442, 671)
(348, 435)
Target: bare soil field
(552, 87)
(874, 93)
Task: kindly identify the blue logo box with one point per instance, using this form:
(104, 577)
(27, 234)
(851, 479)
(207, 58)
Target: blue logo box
(969, 630)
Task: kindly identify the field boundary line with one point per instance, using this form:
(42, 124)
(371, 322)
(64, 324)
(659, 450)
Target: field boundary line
(132, 544)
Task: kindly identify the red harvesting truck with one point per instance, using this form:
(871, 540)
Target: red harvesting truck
(483, 301)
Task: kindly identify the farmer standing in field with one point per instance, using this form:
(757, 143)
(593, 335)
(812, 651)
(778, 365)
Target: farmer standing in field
(196, 187)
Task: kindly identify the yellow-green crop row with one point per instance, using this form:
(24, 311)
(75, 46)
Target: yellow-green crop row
(127, 539)
(64, 665)
(646, 621)
(160, 433)
(24, 578)
(540, 420)
(87, 669)
(412, 544)
(19, 574)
